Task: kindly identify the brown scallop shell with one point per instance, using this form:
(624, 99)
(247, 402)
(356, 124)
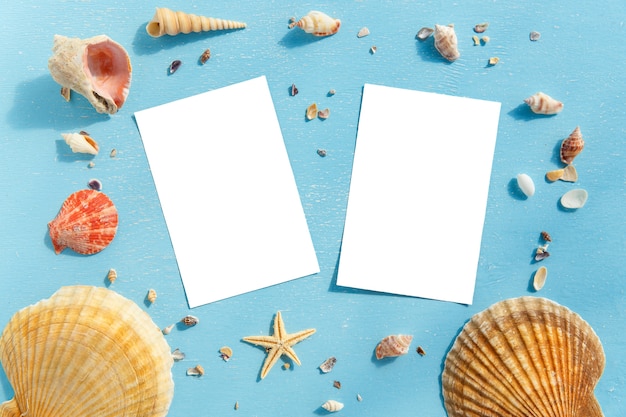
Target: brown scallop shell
(86, 223)
(525, 356)
(86, 351)
(572, 146)
(394, 345)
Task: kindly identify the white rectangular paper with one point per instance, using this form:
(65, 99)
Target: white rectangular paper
(418, 194)
(227, 191)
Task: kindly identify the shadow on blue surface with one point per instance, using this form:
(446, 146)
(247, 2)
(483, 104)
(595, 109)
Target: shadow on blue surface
(427, 52)
(38, 104)
(296, 37)
(65, 154)
(523, 112)
(144, 44)
(514, 190)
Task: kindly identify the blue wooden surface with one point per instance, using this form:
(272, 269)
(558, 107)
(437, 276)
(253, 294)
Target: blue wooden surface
(579, 59)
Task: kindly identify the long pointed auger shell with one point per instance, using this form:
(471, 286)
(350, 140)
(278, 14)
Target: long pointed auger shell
(525, 356)
(166, 21)
(86, 351)
(98, 68)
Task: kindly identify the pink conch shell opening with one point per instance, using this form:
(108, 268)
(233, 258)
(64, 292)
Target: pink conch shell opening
(98, 68)
(86, 223)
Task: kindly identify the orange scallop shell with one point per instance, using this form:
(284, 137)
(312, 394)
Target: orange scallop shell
(572, 146)
(394, 345)
(86, 223)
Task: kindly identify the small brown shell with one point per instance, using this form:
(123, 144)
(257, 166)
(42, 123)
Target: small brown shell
(112, 275)
(446, 42)
(311, 111)
(190, 321)
(393, 345)
(323, 114)
(205, 56)
(572, 146)
(226, 353)
(151, 296)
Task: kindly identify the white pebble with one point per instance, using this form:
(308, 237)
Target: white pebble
(526, 184)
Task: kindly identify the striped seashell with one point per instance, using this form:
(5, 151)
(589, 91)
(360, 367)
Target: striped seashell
(81, 143)
(317, 24)
(542, 103)
(86, 351)
(572, 146)
(332, 406)
(394, 345)
(86, 223)
(166, 21)
(446, 42)
(525, 356)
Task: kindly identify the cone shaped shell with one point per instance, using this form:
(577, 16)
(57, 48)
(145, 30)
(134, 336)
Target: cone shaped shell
(446, 42)
(86, 223)
(394, 345)
(542, 103)
(318, 24)
(521, 357)
(86, 351)
(98, 68)
(166, 21)
(572, 146)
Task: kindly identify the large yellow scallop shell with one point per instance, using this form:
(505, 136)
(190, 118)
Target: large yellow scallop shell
(525, 356)
(86, 351)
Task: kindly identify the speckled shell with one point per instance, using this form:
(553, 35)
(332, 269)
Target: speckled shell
(394, 345)
(98, 68)
(318, 24)
(86, 223)
(572, 146)
(542, 103)
(525, 356)
(446, 42)
(166, 21)
(86, 351)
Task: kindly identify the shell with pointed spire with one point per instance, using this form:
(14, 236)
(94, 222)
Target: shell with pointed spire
(572, 146)
(98, 68)
(170, 22)
(446, 42)
(393, 345)
(541, 103)
(317, 24)
(86, 223)
(521, 357)
(86, 351)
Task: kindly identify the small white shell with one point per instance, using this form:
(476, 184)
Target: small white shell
(332, 406)
(81, 143)
(574, 199)
(539, 279)
(526, 184)
(177, 355)
(446, 42)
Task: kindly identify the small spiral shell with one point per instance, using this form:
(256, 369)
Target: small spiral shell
(394, 345)
(166, 21)
(332, 406)
(542, 103)
(318, 24)
(572, 146)
(446, 42)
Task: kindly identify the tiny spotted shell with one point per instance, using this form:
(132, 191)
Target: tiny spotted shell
(190, 321)
(393, 345)
(86, 223)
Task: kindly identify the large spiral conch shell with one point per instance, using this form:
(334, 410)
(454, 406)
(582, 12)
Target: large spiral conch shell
(446, 42)
(98, 68)
(166, 21)
(522, 357)
(86, 351)
(572, 146)
(317, 24)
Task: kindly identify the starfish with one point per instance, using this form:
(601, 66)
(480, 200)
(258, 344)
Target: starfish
(280, 343)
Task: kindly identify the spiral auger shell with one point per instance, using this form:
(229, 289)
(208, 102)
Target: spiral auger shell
(166, 21)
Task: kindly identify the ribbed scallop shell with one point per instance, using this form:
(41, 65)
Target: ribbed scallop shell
(525, 356)
(572, 146)
(446, 42)
(393, 345)
(86, 223)
(166, 21)
(86, 351)
(542, 103)
(98, 68)
(318, 24)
